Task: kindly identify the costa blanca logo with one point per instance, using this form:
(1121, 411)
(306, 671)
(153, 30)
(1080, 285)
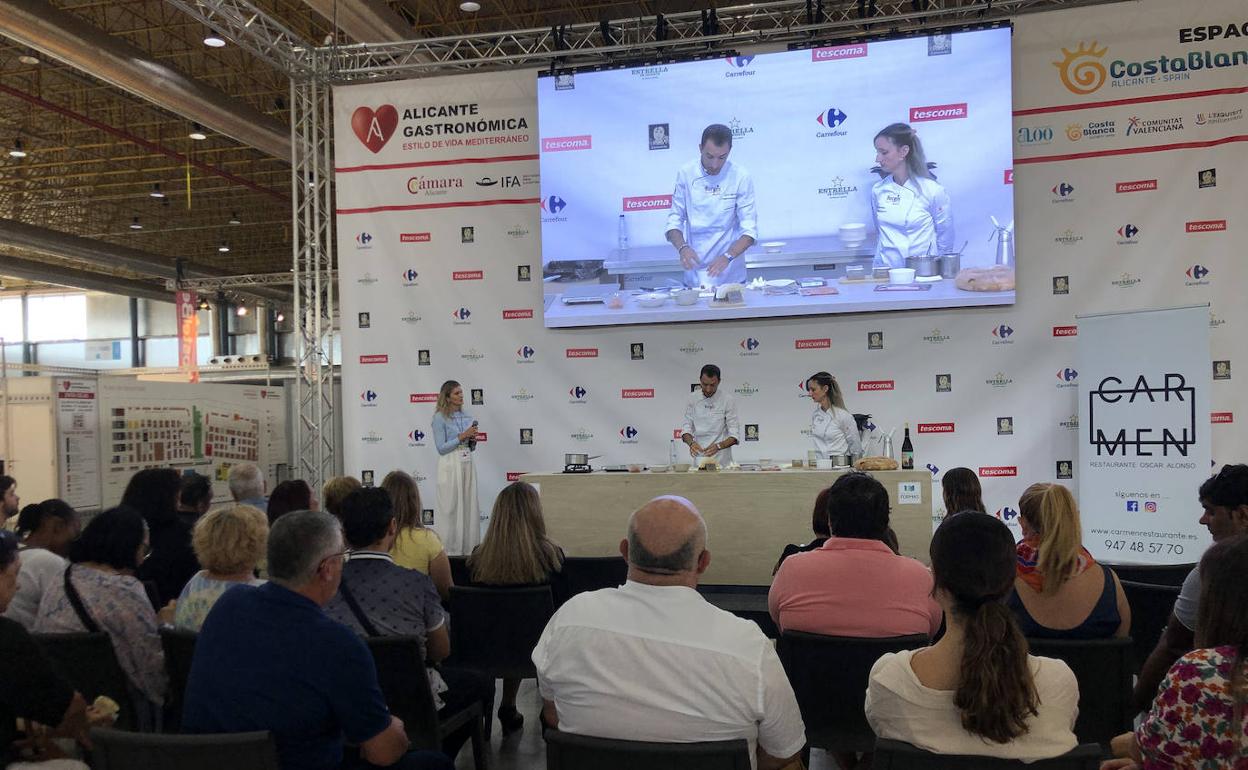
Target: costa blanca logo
(838, 52)
(1097, 129)
(936, 337)
(999, 380)
(1206, 226)
(1196, 275)
(637, 393)
(1142, 185)
(1081, 70)
(580, 352)
(874, 385)
(567, 143)
(746, 390)
(938, 112)
(374, 127)
(468, 275)
(935, 427)
(647, 203)
(1065, 331)
(813, 343)
(994, 471)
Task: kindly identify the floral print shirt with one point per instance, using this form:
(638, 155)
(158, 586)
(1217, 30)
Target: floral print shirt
(1189, 726)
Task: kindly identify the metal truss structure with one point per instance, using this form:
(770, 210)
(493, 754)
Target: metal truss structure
(606, 43)
(233, 281)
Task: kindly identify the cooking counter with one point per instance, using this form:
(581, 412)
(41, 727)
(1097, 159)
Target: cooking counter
(750, 515)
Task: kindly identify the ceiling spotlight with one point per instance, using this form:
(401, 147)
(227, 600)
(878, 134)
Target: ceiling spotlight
(156, 193)
(17, 151)
(468, 6)
(134, 224)
(214, 41)
(281, 317)
(224, 247)
(28, 59)
(197, 132)
(234, 220)
(242, 310)
(204, 304)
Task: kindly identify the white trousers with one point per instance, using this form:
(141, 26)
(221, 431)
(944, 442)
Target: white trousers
(458, 518)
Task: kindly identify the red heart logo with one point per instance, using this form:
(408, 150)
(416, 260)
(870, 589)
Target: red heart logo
(65, 384)
(374, 128)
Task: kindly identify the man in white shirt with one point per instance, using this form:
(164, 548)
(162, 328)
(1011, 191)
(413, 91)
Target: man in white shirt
(711, 423)
(713, 221)
(654, 661)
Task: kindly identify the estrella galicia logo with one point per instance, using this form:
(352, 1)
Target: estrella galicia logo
(409, 277)
(1196, 275)
(417, 437)
(362, 240)
(577, 394)
(749, 345)
(1127, 234)
(553, 204)
(461, 315)
(628, 435)
(1003, 334)
(831, 119)
(368, 397)
(1139, 418)
(1063, 193)
(1007, 514)
(525, 352)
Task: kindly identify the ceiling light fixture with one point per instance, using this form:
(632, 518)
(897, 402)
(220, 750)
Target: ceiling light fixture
(18, 151)
(242, 310)
(156, 193)
(281, 317)
(234, 220)
(468, 6)
(204, 304)
(28, 59)
(224, 247)
(134, 224)
(197, 132)
(214, 41)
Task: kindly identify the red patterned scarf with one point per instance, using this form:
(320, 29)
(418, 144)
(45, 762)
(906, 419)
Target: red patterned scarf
(1028, 563)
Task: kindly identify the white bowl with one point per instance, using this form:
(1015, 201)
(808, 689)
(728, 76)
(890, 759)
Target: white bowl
(773, 247)
(687, 296)
(656, 300)
(853, 230)
(659, 468)
(682, 467)
(901, 275)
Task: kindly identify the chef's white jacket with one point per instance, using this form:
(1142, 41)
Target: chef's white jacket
(712, 212)
(912, 220)
(834, 432)
(713, 419)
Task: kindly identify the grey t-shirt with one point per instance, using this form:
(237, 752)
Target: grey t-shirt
(40, 569)
(1189, 599)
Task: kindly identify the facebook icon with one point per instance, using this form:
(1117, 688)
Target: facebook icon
(1133, 506)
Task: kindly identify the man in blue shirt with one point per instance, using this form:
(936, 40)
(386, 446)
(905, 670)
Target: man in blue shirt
(268, 658)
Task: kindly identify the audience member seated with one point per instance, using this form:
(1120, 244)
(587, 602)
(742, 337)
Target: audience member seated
(9, 501)
(1224, 500)
(854, 585)
(1199, 719)
(29, 687)
(291, 495)
(194, 497)
(153, 492)
(379, 598)
(516, 552)
(976, 691)
(417, 546)
(654, 661)
(46, 530)
(101, 573)
(960, 490)
(247, 485)
(336, 490)
(1060, 591)
(269, 658)
(229, 542)
(818, 525)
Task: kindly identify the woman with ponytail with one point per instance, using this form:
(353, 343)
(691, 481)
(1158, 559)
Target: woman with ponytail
(1060, 591)
(912, 214)
(976, 691)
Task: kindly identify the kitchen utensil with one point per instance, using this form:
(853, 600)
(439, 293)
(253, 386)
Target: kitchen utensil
(1005, 242)
(687, 296)
(950, 264)
(901, 275)
(926, 267)
(577, 458)
(886, 444)
(904, 286)
(812, 457)
(841, 461)
(653, 299)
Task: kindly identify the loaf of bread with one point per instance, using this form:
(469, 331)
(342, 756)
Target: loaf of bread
(995, 278)
(876, 464)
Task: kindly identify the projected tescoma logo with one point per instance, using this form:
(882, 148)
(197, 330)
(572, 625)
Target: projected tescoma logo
(1133, 420)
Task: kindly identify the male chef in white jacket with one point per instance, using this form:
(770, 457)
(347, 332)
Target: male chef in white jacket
(712, 221)
(711, 423)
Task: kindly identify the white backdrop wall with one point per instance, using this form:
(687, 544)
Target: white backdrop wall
(1078, 180)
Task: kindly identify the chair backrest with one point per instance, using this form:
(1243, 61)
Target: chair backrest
(494, 630)
(896, 755)
(1157, 574)
(590, 573)
(829, 677)
(405, 685)
(119, 750)
(565, 751)
(460, 575)
(1151, 606)
(87, 661)
(179, 647)
(1104, 670)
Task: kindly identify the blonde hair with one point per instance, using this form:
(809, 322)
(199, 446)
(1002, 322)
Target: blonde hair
(515, 549)
(231, 540)
(405, 496)
(1050, 510)
(443, 407)
(336, 490)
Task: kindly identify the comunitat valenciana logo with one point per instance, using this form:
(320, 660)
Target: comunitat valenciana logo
(1083, 70)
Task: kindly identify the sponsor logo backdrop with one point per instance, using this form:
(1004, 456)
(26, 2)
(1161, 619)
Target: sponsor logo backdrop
(965, 368)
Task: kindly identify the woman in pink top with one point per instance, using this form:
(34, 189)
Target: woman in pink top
(854, 585)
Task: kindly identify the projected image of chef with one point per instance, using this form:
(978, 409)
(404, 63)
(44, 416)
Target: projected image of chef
(911, 209)
(712, 220)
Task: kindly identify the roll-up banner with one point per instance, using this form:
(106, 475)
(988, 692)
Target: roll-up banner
(1144, 446)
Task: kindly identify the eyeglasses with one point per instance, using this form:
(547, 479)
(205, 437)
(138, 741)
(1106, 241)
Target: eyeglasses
(344, 555)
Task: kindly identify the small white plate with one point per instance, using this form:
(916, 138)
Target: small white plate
(780, 283)
(774, 247)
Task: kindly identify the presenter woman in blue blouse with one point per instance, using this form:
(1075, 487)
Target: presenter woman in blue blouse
(455, 433)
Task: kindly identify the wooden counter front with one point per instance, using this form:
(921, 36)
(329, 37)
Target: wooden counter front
(750, 515)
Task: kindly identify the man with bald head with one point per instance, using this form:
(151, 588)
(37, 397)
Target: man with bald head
(654, 661)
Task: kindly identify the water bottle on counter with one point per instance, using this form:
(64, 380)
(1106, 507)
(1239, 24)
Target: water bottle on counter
(671, 456)
(623, 235)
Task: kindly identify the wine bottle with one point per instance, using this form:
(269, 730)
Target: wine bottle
(907, 451)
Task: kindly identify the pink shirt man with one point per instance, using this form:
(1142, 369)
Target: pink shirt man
(854, 587)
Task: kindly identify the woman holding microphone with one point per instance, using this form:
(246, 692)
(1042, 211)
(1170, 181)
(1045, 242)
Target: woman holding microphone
(831, 426)
(910, 208)
(454, 434)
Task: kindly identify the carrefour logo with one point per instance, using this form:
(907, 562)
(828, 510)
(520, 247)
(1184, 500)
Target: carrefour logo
(1007, 514)
(461, 315)
(362, 240)
(832, 118)
(578, 394)
(553, 204)
(749, 344)
(525, 352)
(1196, 275)
(740, 62)
(628, 435)
(368, 396)
(1063, 190)
(1003, 334)
(1127, 234)
(409, 277)
(1067, 374)
(417, 437)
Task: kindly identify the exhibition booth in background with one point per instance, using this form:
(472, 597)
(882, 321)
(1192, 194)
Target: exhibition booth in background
(1127, 179)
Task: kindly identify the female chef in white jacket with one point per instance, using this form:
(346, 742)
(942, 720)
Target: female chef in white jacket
(910, 208)
(831, 426)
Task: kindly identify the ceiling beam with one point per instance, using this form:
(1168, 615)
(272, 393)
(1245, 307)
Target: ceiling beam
(364, 21)
(32, 270)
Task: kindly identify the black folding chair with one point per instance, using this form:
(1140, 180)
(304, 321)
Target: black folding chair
(896, 755)
(1104, 670)
(120, 750)
(405, 685)
(459, 571)
(829, 676)
(88, 662)
(590, 573)
(179, 646)
(1157, 574)
(565, 751)
(1151, 606)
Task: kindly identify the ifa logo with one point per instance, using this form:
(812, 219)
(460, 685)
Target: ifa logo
(374, 127)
